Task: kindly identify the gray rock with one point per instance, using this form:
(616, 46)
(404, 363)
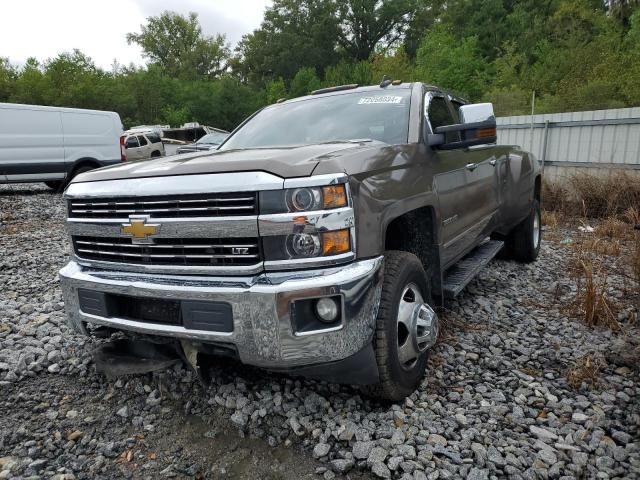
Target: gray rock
(321, 449)
(377, 455)
(380, 470)
(494, 456)
(547, 456)
(341, 465)
(543, 434)
(361, 450)
(621, 437)
(478, 474)
(579, 417)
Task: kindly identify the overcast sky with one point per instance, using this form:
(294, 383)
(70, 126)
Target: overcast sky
(45, 28)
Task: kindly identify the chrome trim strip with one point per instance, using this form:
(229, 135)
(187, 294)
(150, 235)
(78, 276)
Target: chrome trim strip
(159, 202)
(163, 255)
(317, 221)
(309, 262)
(170, 269)
(191, 227)
(167, 246)
(176, 185)
(159, 328)
(316, 181)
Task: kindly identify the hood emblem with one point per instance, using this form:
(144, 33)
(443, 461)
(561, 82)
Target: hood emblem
(139, 230)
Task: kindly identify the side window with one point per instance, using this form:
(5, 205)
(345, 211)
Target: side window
(143, 141)
(439, 115)
(132, 142)
(456, 107)
(154, 138)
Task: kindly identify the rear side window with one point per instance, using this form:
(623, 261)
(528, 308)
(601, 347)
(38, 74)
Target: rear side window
(154, 137)
(132, 142)
(143, 141)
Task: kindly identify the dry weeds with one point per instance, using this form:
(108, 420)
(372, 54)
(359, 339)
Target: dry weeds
(590, 196)
(586, 370)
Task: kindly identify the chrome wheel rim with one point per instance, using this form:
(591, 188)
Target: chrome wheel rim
(417, 326)
(536, 229)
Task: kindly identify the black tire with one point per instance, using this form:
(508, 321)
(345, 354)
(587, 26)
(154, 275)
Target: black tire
(523, 243)
(401, 269)
(155, 154)
(55, 184)
(78, 171)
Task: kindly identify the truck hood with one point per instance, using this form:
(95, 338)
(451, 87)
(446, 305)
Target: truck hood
(285, 162)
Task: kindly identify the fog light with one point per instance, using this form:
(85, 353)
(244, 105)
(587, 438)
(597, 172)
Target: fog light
(327, 309)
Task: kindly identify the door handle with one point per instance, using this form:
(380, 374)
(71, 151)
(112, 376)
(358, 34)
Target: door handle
(471, 166)
(493, 162)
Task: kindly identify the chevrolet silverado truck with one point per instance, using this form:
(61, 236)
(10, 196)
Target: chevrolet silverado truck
(313, 241)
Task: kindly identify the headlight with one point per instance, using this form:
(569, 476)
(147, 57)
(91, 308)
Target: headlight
(303, 199)
(307, 245)
(307, 223)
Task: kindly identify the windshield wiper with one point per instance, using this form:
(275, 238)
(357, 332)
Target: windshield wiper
(352, 140)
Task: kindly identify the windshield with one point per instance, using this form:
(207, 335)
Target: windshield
(215, 138)
(360, 115)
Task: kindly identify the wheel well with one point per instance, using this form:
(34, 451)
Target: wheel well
(415, 232)
(537, 189)
(85, 162)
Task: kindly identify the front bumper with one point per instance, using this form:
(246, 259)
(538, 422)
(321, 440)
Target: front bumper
(263, 330)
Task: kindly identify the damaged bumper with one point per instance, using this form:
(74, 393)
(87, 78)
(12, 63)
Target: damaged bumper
(266, 319)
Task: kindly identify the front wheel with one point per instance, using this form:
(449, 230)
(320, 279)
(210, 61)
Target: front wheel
(406, 327)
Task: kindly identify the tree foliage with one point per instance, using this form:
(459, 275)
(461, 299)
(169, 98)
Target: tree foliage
(575, 54)
(177, 45)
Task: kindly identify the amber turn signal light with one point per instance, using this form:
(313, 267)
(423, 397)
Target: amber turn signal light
(334, 196)
(485, 132)
(336, 242)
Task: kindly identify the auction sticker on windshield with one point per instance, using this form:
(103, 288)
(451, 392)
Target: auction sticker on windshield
(379, 99)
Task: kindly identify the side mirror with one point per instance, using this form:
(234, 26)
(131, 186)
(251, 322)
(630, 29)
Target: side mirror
(477, 127)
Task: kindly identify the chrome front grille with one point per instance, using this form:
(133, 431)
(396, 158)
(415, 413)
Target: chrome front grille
(200, 205)
(201, 252)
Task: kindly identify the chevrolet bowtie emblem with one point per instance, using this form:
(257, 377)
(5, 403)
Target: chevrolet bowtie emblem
(139, 229)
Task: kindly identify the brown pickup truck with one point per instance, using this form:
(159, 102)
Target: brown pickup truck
(313, 241)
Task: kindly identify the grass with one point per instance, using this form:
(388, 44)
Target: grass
(591, 196)
(585, 370)
(611, 205)
(603, 261)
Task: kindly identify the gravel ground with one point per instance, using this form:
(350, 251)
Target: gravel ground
(495, 402)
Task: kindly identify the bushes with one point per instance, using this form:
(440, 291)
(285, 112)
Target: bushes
(593, 196)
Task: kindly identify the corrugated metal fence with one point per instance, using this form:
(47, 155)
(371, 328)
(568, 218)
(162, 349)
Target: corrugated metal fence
(600, 139)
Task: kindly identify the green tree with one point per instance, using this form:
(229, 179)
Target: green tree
(30, 86)
(304, 82)
(396, 65)
(176, 43)
(368, 24)
(8, 76)
(346, 73)
(275, 90)
(456, 65)
(294, 34)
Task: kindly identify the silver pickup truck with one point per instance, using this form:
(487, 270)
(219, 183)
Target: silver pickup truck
(313, 241)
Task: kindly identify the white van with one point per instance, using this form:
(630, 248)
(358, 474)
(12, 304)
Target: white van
(53, 144)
